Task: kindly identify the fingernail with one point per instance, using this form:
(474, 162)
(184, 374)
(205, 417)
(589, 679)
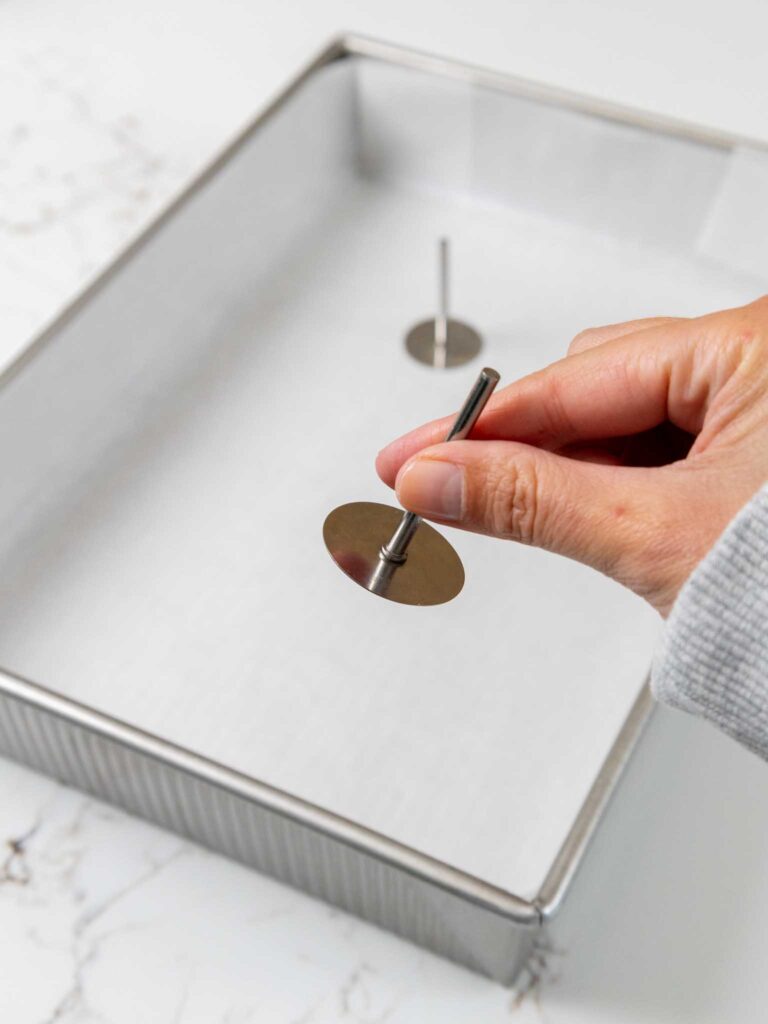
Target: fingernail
(432, 488)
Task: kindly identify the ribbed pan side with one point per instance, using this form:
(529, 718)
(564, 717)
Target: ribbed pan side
(306, 857)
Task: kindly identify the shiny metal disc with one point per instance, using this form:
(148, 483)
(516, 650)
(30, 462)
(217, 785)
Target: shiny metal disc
(463, 344)
(354, 534)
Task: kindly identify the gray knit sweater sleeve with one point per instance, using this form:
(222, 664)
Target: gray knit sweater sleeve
(713, 658)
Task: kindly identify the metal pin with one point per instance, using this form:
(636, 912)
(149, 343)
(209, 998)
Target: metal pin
(441, 320)
(395, 550)
(442, 341)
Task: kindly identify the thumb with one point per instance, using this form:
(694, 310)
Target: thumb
(623, 521)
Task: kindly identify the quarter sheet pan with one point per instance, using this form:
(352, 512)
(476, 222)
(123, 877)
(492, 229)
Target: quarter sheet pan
(171, 447)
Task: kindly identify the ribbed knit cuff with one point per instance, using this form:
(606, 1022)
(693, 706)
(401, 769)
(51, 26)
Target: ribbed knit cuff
(713, 657)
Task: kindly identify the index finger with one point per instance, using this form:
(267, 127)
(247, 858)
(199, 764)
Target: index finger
(618, 388)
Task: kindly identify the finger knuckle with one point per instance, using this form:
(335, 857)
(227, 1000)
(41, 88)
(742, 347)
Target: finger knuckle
(512, 502)
(584, 339)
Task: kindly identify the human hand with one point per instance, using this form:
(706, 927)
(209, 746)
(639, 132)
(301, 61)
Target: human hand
(631, 454)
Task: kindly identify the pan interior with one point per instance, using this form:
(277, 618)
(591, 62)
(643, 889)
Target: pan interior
(169, 458)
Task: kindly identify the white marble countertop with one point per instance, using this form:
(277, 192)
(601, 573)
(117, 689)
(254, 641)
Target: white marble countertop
(106, 109)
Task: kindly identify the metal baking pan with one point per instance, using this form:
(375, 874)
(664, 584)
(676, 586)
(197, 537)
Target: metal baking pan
(175, 637)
